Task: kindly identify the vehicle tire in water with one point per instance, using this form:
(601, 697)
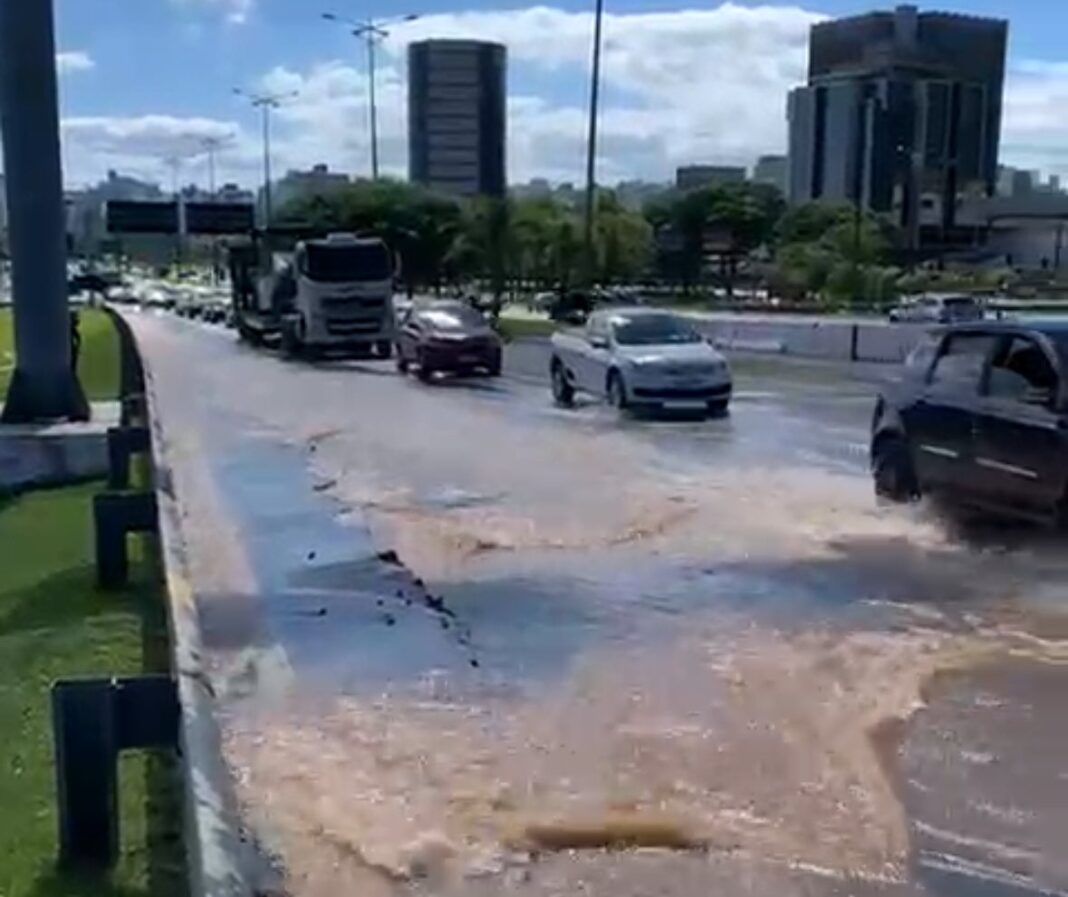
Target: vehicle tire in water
(290, 342)
(563, 392)
(426, 372)
(384, 349)
(617, 391)
(718, 409)
(402, 362)
(892, 470)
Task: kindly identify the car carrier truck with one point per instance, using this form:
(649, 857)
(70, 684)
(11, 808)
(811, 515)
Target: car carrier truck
(328, 294)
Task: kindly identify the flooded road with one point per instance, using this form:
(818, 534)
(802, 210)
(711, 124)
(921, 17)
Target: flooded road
(468, 643)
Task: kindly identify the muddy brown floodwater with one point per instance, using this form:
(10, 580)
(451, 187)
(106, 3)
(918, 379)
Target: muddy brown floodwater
(607, 659)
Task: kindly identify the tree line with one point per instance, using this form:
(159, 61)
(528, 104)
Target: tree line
(719, 236)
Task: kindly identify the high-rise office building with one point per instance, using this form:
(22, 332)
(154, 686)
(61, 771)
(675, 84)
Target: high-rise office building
(771, 170)
(902, 113)
(457, 116)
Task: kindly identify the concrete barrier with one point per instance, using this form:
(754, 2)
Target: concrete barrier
(35, 456)
(221, 862)
(874, 341)
(887, 342)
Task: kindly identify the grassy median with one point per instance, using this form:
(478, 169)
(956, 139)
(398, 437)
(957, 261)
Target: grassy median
(54, 623)
(98, 364)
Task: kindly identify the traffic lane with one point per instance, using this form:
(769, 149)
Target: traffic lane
(638, 592)
(821, 411)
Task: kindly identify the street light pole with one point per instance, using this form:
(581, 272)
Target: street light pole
(266, 109)
(265, 102)
(374, 105)
(591, 144)
(370, 31)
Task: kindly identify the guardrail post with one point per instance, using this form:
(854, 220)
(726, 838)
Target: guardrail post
(115, 515)
(123, 443)
(92, 722)
(134, 410)
(86, 774)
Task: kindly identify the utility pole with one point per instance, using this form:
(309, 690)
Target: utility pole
(370, 31)
(212, 145)
(265, 102)
(591, 143)
(44, 386)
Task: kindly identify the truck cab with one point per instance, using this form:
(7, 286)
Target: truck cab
(329, 294)
(339, 294)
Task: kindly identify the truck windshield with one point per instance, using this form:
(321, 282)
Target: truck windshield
(653, 330)
(341, 264)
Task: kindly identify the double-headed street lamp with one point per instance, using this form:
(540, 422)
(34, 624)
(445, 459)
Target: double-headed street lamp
(371, 31)
(265, 102)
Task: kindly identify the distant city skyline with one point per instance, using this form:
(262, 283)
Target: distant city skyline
(677, 91)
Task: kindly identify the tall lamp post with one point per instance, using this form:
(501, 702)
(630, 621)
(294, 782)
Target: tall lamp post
(212, 145)
(591, 144)
(370, 31)
(266, 102)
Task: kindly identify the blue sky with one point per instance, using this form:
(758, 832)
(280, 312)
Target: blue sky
(683, 80)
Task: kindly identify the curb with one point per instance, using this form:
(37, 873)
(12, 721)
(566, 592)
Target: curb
(218, 857)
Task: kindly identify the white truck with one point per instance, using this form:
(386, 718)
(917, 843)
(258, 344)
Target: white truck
(333, 294)
(640, 358)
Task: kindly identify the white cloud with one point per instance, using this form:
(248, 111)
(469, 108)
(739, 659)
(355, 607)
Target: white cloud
(1034, 130)
(684, 86)
(74, 61)
(678, 86)
(140, 146)
(234, 11)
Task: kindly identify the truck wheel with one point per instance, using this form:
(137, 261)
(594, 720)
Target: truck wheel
(402, 362)
(617, 391)
(719, 409)
(384, 349)
(291, 345)
(563, 392)
(892, 470)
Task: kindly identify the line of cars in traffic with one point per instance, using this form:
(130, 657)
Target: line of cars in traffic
(979, 413)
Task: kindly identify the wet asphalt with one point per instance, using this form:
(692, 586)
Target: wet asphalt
(353, 534)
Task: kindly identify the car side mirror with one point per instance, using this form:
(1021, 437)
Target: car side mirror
(599, 342)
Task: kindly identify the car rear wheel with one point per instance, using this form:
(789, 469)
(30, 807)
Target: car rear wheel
(426, 372)
(617, 391)
(563, 392)
(892, 470)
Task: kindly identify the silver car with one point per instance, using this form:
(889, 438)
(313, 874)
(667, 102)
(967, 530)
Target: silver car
(640, 357)
(938, 309)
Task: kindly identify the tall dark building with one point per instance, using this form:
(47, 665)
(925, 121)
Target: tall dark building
(902, 112)
(457, 116)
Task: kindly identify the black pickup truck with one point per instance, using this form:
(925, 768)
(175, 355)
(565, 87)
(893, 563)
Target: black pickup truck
(980, 416)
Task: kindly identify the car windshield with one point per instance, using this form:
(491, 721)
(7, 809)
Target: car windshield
(458, 317)
(345, 263)
(653, 330)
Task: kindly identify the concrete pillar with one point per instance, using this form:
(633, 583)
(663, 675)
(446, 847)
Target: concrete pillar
(43, 387)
